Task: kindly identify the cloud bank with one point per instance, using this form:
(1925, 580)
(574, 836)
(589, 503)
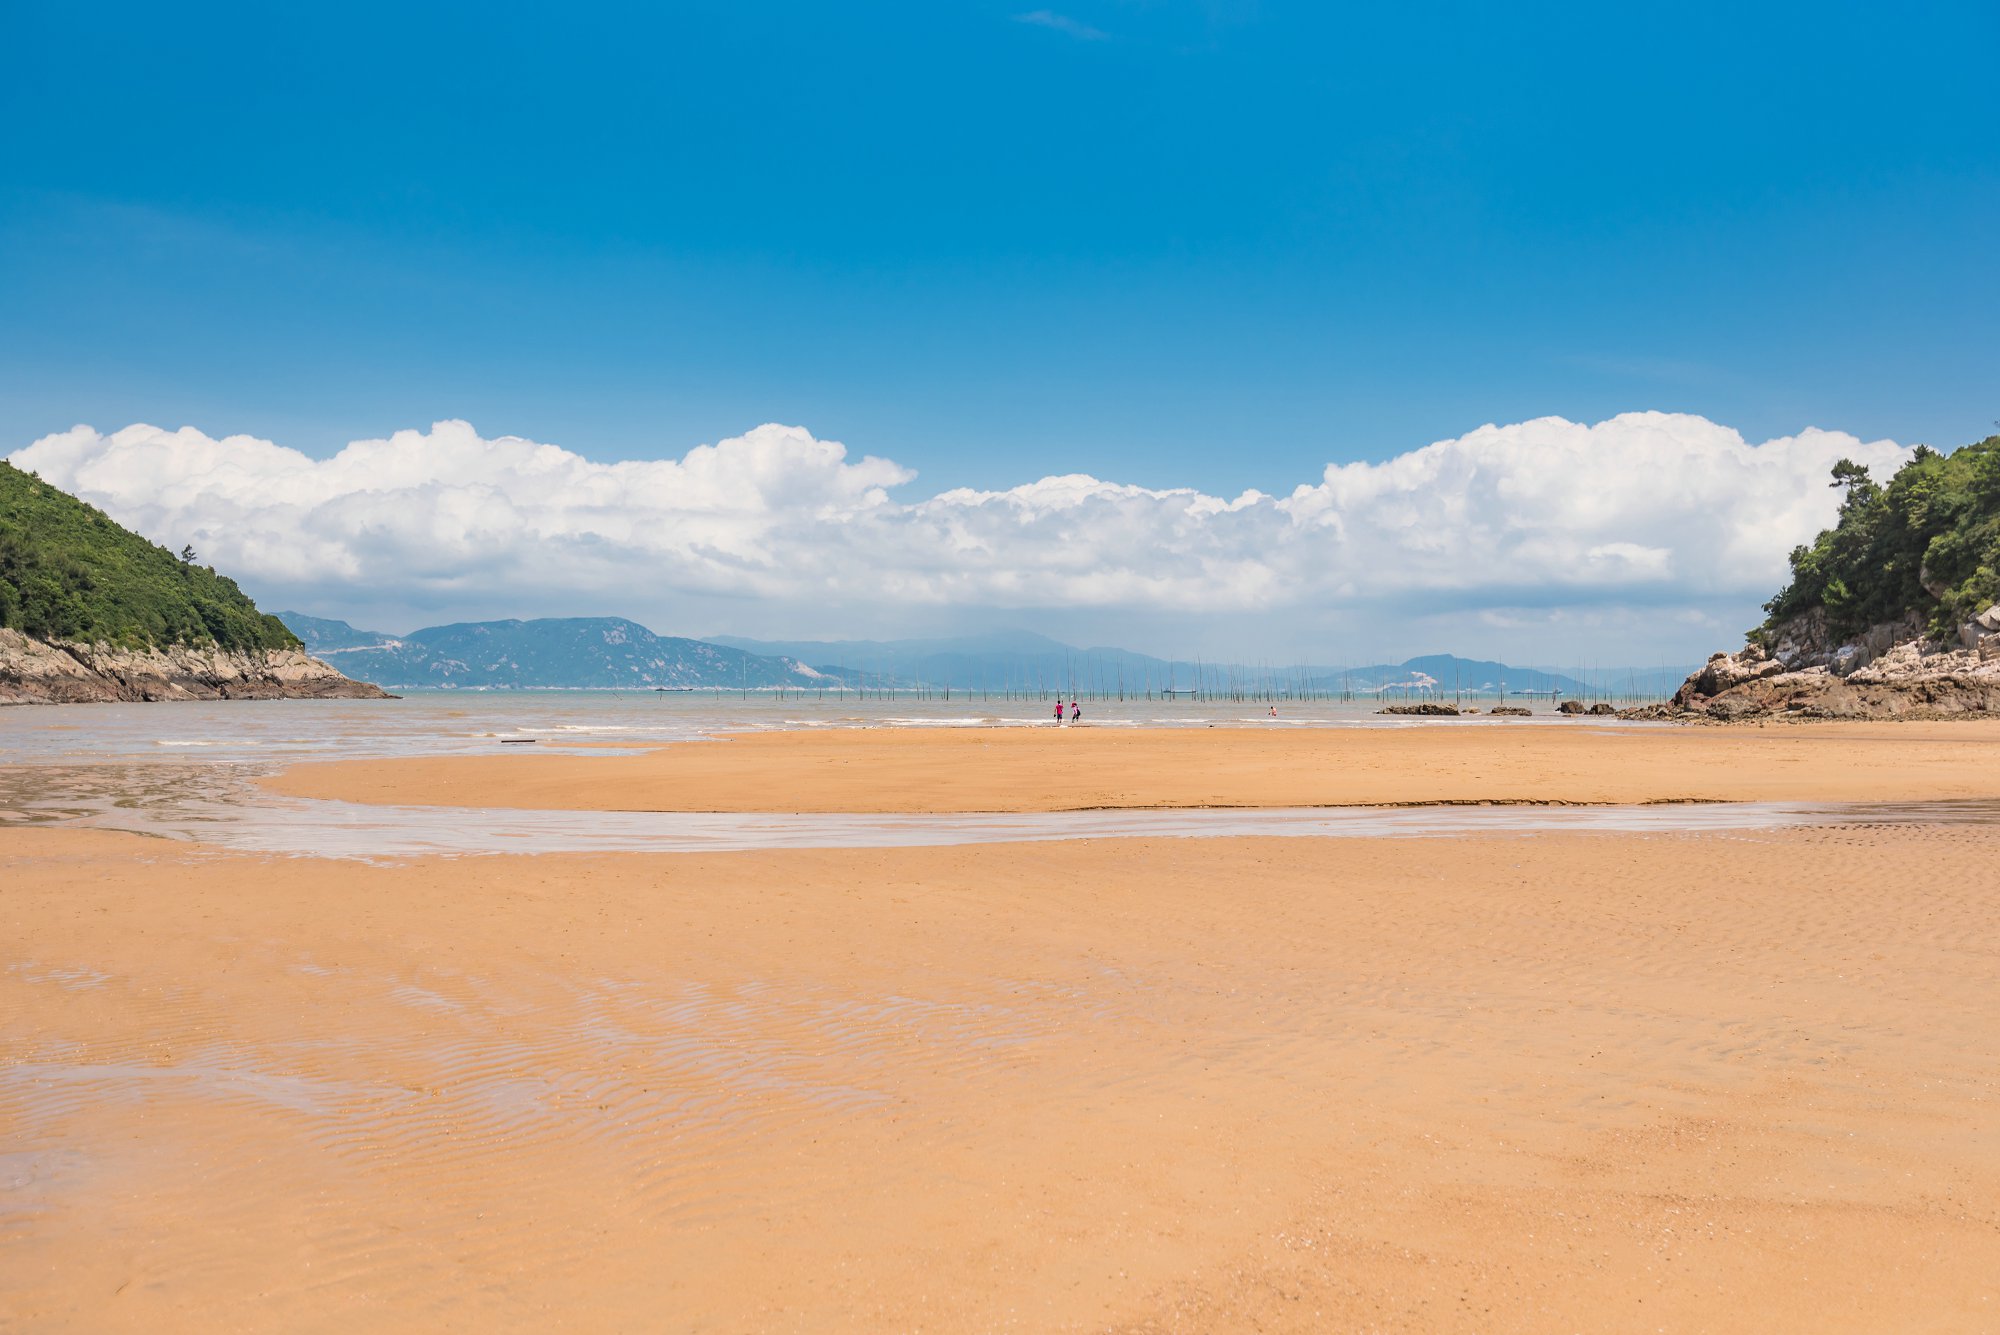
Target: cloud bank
(1535, 522)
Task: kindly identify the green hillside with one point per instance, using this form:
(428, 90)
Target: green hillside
(68, 573)
(1927, 542)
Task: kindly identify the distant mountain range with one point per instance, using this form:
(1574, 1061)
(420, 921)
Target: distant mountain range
(611, 653)
(999, 661)
(576, 653)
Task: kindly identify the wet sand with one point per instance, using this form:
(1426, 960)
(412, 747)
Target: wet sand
(1045, 769)
(1576, 1082)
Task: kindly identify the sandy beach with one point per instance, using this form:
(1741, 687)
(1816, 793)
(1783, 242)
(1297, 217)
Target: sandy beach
(1118, 668)
(1531, 1082)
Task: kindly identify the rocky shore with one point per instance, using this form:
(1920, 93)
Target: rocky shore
(1800, 671)
(42, 672)
(1568, 709)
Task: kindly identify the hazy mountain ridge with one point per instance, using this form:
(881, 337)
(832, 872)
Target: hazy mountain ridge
(322, 637)
(1004, 660)
(1018, 660)
(575, 653)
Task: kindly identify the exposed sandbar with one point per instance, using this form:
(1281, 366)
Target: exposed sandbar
(1045, 769)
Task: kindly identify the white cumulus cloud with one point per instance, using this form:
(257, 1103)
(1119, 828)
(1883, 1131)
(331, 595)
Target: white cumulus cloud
(1650, 510)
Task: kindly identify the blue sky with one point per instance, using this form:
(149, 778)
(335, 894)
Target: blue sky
(1212, 244)
(1210, 247)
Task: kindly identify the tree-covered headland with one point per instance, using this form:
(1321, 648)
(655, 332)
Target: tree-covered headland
(1926, 542)
(67, 572)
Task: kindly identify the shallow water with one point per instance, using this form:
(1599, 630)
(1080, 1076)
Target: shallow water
(190, 771)
(460, 722)
(353, 830)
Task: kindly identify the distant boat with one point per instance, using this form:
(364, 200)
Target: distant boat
(673, 690)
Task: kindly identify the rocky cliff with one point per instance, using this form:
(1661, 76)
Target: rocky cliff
(1797, 669)
(36, 671)
(90, 610)
(1891, 613)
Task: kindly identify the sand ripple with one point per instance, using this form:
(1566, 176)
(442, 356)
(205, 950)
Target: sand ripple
(1576, 1081)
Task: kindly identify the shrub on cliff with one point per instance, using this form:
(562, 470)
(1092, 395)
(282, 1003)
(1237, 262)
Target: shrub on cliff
(1926, 542)
(68, 573)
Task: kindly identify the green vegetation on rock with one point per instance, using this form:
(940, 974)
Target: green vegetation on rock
(1926, 543)
(68, 573)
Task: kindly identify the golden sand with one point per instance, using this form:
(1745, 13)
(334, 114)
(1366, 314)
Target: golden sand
(1040, 769)
(1514, 1083)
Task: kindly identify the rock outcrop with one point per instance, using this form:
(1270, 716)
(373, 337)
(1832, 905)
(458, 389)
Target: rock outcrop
(34, 671)
(1424, 710)
(1893, 670)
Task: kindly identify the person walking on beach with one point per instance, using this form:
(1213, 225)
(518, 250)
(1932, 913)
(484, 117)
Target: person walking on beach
(1075, 711)
(1059, 712)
